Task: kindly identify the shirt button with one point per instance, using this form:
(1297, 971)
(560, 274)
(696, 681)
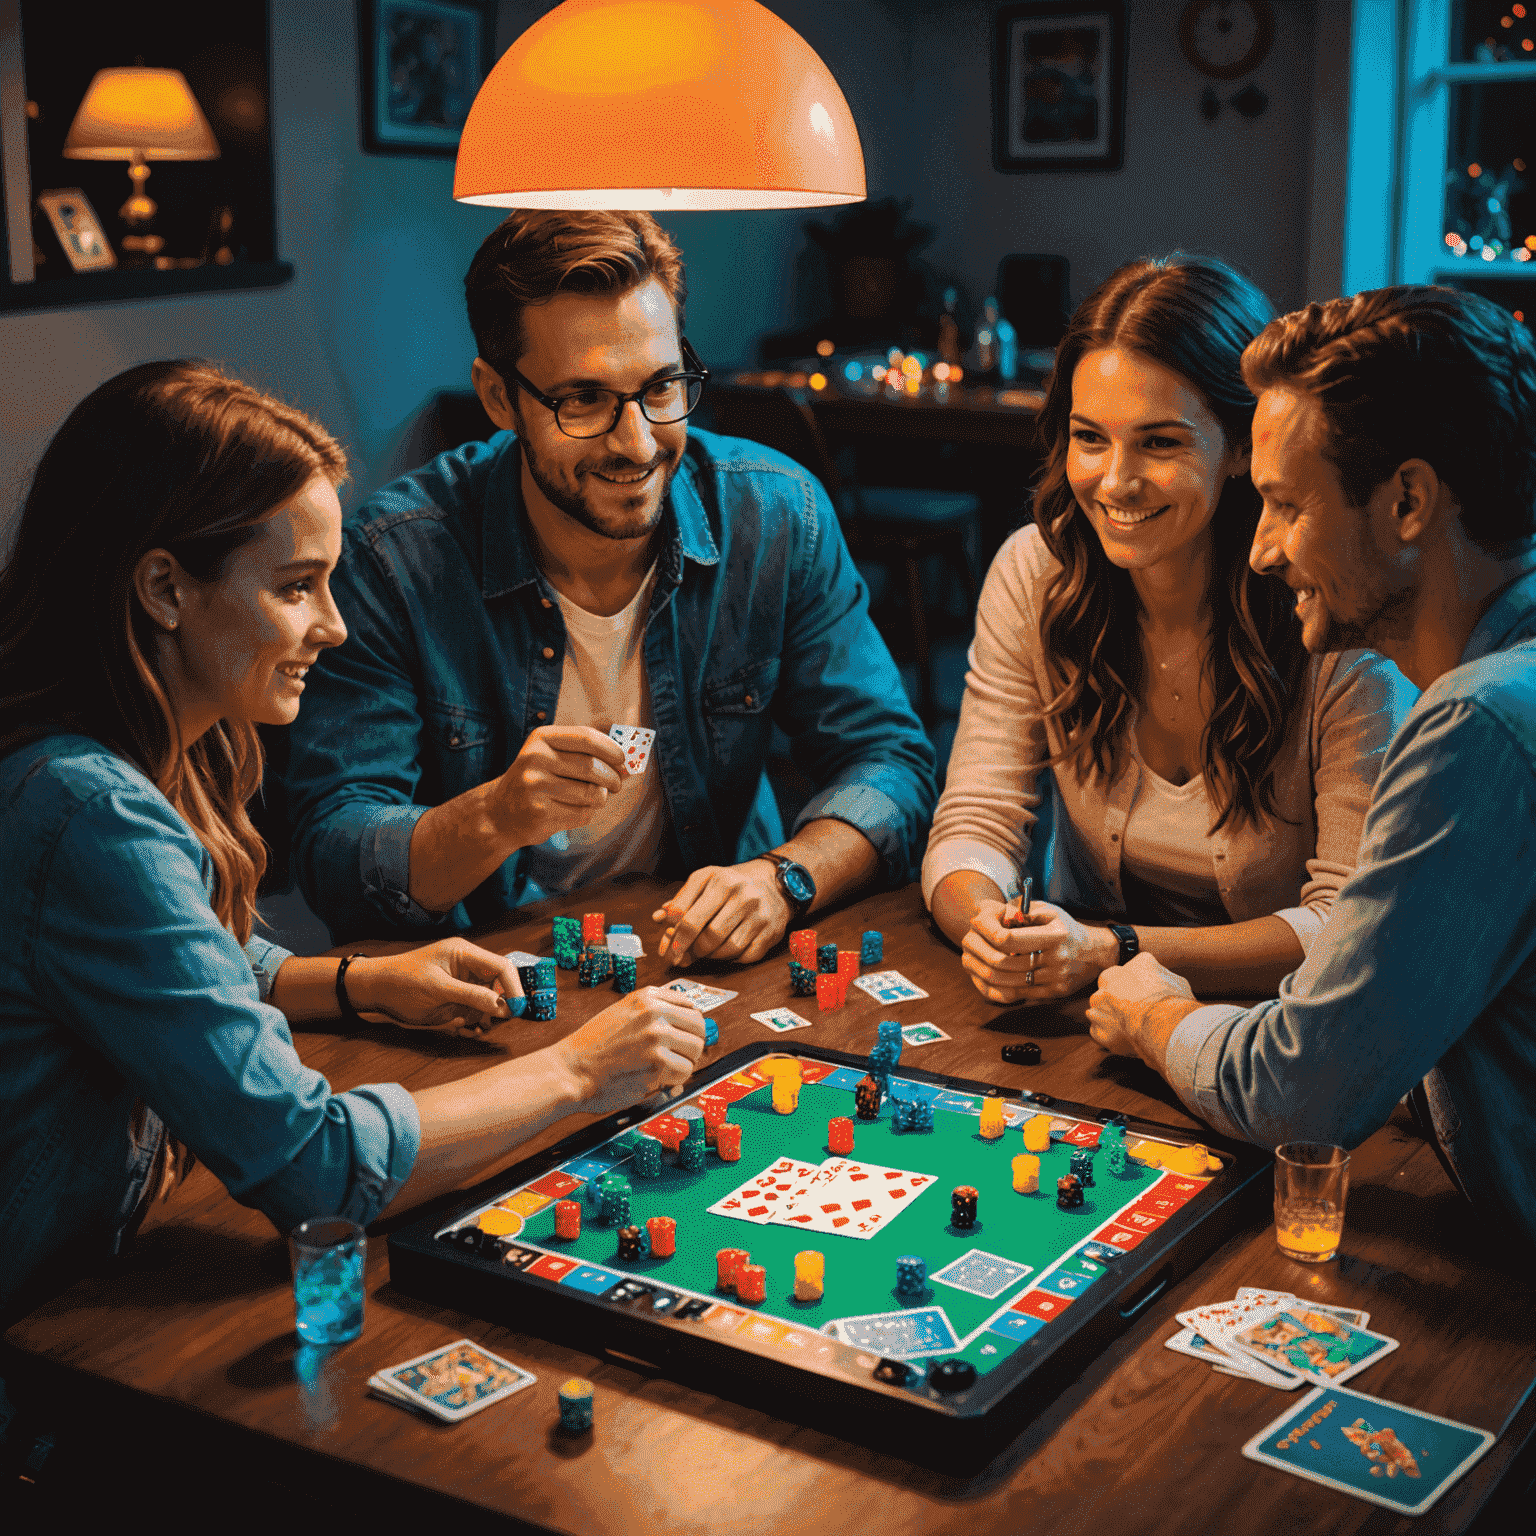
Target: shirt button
(1114, 837)
(748, 699)
(540, 715)
(549, 652)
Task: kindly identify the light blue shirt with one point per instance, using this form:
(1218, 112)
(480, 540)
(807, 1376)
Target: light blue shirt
(1426, 968)
(119, 985)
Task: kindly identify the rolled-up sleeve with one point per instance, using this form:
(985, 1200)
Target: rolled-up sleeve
(172, 1001)
(1380, 1000)
(1361, 700)
(841, 702)
(266, 960)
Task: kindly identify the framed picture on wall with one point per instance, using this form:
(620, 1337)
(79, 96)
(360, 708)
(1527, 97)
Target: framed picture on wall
(1058, 86)
(420, 64)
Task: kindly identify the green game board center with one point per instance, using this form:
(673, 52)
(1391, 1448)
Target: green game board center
(860, 1273)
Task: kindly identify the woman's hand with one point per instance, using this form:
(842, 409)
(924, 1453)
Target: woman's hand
(452, 982)
(643, 1042)
(1049, 955)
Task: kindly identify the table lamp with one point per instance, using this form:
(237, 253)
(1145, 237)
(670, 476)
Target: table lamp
(138, 115)
(659, 104)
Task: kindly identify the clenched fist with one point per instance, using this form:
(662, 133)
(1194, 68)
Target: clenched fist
(559, 781)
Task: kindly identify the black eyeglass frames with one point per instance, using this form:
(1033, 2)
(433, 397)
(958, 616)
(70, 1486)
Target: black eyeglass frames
(596, 412)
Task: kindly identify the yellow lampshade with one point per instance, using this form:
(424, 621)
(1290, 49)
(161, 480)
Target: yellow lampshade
(659, 104)
(149, 113)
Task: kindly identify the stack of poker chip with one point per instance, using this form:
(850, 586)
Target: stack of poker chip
(728, 1142)
(826, 959)
(866, 1098)
(889, 1034)
(615, 1193)
(576, 1406)
(911, 1275)
(625, 973)
(592, 925)
(962, 1203)
(662, 1232)
(594, 966)
(714, 1112)
(810, 1275)
(529, 976)
(840, 1136)
(903, 1113)
(1082, 1166)
(872, 947)
(568, 943)
(752, 1283)
(568, 1219)
(728, 1262)
(647, 1158)
(629, 1243)
(802, 947)
(542, 1004)
(1069, 1192)
(690, 1156)
(1026, 1173)
(1112, 1145)
(802, 979)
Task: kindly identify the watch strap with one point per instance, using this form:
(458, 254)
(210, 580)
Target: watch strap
(1130, 945)
(343, 1002)
(799, 905)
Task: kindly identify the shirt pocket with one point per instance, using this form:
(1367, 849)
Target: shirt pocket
(461, 740)
(736, 712)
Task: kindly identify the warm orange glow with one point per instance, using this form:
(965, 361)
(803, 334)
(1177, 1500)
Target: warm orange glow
(955, 373)
(824, 349)
(659, 104)
(1474, 170)
(941, 372)
(877, 372)
(1520, 316)
(1527, 44)
(912, 368)
(1506, 21)
(1530, 242)
(1519, 10)
(1518, 163)
(818, 381)
(149, 111)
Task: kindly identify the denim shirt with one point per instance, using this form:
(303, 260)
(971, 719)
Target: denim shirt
(120, 988)
(1427, 965)
(456, 649)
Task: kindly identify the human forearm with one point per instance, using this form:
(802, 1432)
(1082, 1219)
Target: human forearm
(456, 846)
(839, 857)
(470, 1125)
(956, 899)
(1249, 958)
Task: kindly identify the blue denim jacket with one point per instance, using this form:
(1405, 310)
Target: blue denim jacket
(120, 988)
(456, 649)
(1427, 965)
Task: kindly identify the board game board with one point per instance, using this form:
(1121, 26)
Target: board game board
(1023, 1298)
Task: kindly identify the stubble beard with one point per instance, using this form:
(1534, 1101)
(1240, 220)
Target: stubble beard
(575, 505)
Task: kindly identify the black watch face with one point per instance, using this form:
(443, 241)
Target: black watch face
(797, 882)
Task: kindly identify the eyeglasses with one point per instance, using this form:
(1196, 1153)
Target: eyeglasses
(596, 412)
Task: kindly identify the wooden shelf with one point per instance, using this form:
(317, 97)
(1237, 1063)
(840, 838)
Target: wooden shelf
(119, 286)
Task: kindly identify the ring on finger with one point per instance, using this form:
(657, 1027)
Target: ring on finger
(1029, 978)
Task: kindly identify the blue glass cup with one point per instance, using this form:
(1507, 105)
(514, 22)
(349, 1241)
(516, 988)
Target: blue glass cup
(329, 1254)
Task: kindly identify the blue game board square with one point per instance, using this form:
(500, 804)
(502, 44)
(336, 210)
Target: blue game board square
(918, 1091)
(1081, 1264)
(1065, 1283)
(592, 1166)
(588, 1277)
(842, 1077)
(1017, 1326)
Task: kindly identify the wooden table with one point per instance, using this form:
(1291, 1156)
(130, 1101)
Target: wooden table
(191, 1341)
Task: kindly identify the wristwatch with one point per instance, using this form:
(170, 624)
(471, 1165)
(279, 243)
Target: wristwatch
(795, 881)
(1130, 945)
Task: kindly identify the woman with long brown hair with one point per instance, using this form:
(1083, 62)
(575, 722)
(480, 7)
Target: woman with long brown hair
(1208, 781)
(168, 589)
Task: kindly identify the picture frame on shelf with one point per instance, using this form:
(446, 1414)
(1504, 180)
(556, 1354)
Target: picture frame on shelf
(1058, 86)
(77, 230)
(420, 64)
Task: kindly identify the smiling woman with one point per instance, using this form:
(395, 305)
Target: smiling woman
(1209, 783)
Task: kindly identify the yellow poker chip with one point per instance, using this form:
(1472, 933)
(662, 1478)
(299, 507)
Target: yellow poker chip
(499, 1222)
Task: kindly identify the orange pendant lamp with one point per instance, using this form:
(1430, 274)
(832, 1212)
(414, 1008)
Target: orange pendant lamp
(659, 104)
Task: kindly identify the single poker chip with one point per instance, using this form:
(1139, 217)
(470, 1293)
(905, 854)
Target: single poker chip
(499, 1222)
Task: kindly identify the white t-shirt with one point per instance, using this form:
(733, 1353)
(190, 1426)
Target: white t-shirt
(603, 684)
(1166, 849)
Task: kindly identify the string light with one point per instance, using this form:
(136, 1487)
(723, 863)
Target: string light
(818, 381)
(824, 349)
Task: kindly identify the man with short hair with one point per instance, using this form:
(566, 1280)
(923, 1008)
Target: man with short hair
(594, 566)
(1395, 447)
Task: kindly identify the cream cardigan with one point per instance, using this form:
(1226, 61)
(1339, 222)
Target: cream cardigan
(1352, 703)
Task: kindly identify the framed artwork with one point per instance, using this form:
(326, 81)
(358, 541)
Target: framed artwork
(1058, 86)
(78, 229)
(421, 63)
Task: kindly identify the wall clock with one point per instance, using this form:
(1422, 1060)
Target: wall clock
(1226, 38)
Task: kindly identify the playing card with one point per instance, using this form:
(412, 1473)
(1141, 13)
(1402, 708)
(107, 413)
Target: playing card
(636, 741)
(1187, 1342)
(1398, 1457)
(1347, 1314)
(626, 944)
(781, 1019)
(981, 1273)
(888, 987)
(856, 1200)
(903, 1335)
(1217, 1321)
(761, 1197)
(522, 957)
(697, 995)
(1316, 1346)
(921, 1034)
(452, 1382)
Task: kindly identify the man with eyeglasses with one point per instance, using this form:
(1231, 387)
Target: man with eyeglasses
(596, 565)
